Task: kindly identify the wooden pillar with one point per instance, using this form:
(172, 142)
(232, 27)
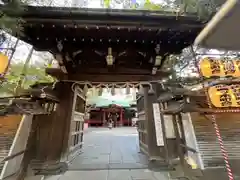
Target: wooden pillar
(121, 117)
(104, 116)
(159, 153)
(67, 105)
(53, 128)
(153, 149)
(147, 116)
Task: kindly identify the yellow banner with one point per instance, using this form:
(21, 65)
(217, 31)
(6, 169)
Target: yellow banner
(3, 63)
(211, 67)
(225, 95)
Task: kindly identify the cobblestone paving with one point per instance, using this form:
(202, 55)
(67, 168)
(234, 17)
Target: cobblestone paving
(111, 155)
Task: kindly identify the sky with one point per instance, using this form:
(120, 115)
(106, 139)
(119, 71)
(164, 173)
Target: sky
(22, 51)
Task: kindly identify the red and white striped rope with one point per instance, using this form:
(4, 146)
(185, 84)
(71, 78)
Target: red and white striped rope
(220, 140)
(214, 122)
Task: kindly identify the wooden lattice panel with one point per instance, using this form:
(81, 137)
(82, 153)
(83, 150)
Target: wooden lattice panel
(142, 131)
(77, 125)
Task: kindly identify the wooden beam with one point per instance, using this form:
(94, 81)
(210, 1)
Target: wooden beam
(113, 69)
(105, 77)
(111, 78)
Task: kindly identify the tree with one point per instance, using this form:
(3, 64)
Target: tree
(183, 66)
(14, 25)
(10, 24)
(203, 8)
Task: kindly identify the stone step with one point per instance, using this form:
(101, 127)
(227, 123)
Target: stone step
(120, 166)
(56, 177)
(37, 177)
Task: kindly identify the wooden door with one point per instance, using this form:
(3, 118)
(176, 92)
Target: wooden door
(77, 124)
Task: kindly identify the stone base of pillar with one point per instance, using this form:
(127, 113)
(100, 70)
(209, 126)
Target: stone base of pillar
(159, 164)
(49, 168)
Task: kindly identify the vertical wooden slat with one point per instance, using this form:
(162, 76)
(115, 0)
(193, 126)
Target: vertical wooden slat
(178, 139)
(164, 135)
(181, 129)
(142, 126)
(146, 110)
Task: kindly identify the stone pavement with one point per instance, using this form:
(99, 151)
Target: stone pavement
(110, 149)
(111, 155)
(114, 155)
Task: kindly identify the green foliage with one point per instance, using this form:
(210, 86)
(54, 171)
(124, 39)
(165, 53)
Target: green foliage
(148, 5)
(107, 3)
(34, 74)
(203, 9)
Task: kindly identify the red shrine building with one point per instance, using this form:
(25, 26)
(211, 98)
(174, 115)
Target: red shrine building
(99, 116)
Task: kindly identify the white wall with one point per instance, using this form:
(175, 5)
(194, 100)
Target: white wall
(191, 139)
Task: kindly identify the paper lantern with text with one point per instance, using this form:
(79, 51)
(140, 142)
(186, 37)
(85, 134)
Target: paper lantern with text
(220, 96)
(235, 94)
(3, 64)
(229, 68)
(210, 67)
(237, 66)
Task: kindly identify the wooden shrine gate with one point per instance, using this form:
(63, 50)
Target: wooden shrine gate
(120, 48)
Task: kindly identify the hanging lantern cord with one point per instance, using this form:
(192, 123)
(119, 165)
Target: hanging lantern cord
(214, 122)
